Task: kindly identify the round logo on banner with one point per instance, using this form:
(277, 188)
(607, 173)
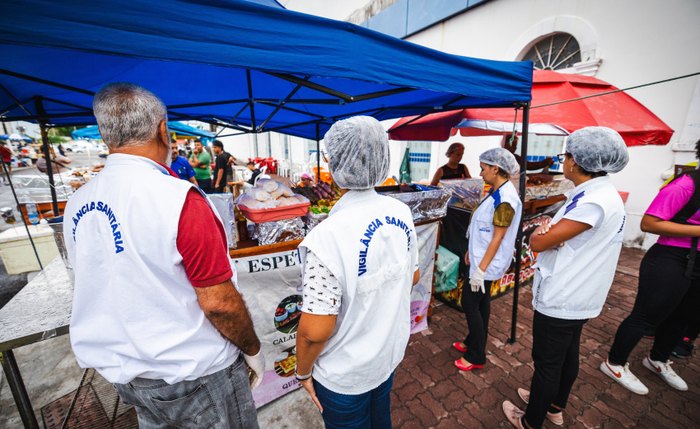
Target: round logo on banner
(287, 314)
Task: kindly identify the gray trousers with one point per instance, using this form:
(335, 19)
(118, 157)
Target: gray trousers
(218, 401)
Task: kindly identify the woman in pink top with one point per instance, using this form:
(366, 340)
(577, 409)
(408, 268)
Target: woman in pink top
(669, 285)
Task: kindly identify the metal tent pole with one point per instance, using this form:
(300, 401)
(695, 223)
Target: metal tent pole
(47, 153)
(519, 236)
(318, 152)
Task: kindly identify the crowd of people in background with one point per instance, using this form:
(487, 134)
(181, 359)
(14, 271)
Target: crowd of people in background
(211, 167)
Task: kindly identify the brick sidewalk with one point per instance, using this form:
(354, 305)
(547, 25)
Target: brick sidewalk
(430, 392)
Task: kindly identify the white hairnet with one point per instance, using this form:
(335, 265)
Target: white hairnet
(598, 149)
(358, 152)
(502, 158)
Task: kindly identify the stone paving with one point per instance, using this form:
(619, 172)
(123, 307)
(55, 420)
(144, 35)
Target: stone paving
(429, 392)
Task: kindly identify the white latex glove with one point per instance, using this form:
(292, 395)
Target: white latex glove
(477, 280)
(257, 365)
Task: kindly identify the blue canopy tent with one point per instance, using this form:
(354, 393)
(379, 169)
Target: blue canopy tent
(178, 128)
(247, 66)
(251, 67)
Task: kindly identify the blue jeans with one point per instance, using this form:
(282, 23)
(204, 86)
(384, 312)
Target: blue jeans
(220, 400)
(370, 410)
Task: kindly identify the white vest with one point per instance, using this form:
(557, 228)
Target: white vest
(369, 243)
(480, 232)
(573, 284)
(135, 313)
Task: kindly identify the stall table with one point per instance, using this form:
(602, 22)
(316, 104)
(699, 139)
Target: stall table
(40, 311)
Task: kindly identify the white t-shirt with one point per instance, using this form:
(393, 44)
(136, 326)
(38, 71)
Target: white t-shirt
(587, 213)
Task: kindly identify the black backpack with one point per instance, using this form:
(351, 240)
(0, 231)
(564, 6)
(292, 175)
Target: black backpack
(685, 213)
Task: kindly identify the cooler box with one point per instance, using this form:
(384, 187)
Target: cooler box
(16, 249)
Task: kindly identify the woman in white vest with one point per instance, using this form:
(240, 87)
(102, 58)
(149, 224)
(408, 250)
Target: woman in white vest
(578, 255)
(359, 267)
(492, 231)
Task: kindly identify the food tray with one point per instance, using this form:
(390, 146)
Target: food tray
(426, 202)
(466, 193)
(275, 214)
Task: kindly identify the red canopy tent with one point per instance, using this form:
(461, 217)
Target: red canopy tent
(594, 103)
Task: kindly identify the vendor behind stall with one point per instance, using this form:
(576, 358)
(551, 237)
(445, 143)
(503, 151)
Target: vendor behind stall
(453, 169)
(306, 181)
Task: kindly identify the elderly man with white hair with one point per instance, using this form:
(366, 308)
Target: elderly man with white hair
(359, 267)
(155, 308)
(578, 256)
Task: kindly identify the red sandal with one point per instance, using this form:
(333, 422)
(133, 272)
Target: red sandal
(466, 367)
(460, 347)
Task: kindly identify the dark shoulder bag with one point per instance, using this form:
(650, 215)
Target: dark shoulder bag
(684, 214)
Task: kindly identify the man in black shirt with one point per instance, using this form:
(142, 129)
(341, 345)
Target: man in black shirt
(222, 168)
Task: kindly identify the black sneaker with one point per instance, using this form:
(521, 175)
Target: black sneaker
(684, 349)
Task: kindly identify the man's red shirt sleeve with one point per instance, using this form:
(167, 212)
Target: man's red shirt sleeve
(203, 246)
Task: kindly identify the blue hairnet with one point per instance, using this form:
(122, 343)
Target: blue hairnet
(502, 158)
(597, 149)
(358, 152)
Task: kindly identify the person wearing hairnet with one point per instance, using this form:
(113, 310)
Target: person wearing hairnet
(669, 285)
(359, 266)
(453, 169)
(578, 256)
(491, 233)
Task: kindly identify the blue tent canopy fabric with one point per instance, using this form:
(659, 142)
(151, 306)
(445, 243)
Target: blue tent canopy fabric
(22, 138)
(92, 132)
(241, 64)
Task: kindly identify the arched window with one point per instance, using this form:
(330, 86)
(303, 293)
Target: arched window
(555, 52)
